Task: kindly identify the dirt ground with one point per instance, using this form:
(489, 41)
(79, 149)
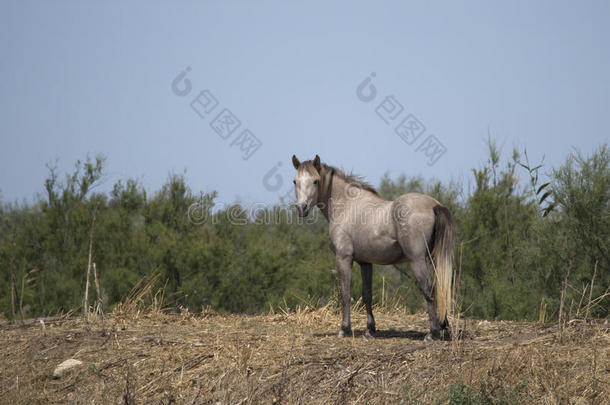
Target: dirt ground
(295, 358)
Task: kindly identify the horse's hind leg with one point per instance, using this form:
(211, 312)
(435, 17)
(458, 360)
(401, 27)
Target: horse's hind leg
(423, 281)
(366, 270)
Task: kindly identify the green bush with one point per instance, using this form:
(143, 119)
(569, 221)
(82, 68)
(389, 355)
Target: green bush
(515, 244)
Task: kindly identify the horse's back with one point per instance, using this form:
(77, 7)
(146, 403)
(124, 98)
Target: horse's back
(416, 201)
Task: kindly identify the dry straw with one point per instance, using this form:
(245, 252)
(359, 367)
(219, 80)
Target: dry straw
(145, 355)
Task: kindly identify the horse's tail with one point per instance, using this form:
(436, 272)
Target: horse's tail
(442, 253)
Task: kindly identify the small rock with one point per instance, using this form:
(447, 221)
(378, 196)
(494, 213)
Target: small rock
(65, 366)
(484, 323)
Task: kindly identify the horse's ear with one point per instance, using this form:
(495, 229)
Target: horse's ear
(295, 162)
(317, 164)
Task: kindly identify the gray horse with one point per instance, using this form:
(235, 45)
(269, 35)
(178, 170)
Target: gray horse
(365, 228)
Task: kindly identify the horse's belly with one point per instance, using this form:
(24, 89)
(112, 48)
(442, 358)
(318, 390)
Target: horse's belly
(381, 251)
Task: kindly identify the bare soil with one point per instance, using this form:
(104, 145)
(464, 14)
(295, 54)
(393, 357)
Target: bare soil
(295, 358)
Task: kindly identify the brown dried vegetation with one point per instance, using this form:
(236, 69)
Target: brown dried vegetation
(136, 356)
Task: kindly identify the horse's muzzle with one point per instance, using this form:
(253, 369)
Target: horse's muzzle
(302, 209)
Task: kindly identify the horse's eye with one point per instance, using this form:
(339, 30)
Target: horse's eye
(315, 182)
(294, 182)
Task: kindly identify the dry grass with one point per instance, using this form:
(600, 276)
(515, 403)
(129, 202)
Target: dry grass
(295, 358)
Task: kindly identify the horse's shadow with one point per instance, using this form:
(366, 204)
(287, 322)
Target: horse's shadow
(382, 334)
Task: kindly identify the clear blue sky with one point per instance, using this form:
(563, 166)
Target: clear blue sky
(81, 77)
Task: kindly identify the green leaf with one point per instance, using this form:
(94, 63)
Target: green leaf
(548, 209)
(548, 193)
(542, 187)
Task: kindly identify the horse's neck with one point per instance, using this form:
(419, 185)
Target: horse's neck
(333, 196)
(325, 194)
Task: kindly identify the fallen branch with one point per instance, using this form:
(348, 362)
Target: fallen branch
(161, 341)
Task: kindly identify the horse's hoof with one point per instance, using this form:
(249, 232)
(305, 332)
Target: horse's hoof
(344, 333)
(428, 337)
(369, 333)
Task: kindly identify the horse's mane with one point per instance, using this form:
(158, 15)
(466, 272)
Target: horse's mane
(351, 178)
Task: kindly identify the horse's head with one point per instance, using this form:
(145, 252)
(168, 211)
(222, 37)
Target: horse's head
(307, 183)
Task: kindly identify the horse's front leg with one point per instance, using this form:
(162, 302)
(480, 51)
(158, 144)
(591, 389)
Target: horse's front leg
(344, 265)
